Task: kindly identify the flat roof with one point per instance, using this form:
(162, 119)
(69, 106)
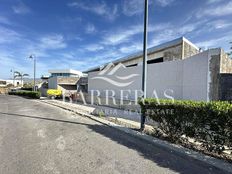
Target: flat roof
(149, 51)
(70, 71)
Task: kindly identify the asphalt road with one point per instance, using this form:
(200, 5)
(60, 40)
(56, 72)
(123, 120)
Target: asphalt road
(38, 138)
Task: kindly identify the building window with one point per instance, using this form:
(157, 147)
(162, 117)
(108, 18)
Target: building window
(2, 82)
(158, 60)
(132, 65)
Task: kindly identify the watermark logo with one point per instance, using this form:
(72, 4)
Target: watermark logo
(108, 74)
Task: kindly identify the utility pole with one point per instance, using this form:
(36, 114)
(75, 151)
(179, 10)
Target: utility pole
(144, 75)
(34, 58)
(34, 71)
(13, 74)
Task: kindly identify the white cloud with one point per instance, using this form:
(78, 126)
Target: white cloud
(188, 28)
(164, 3)
(9, 61)
(8, 35)
(174, 31)
(213, 1)
(135, 7)
(124, 35)
(219, 10)
(126, 49)
(68, 19)
(32, 48)
(219, 24)
(132, 7)
(73, 4)
(94, 47)
(90, 28)
(222, 41)
(54, 41)
(4, 20)
(101, 9)
(21, 8)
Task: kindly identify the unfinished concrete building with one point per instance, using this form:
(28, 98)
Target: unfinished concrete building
(177, 49)
(177, 65)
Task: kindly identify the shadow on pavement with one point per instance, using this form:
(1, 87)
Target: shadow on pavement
(160, 156)
(43, 118)
(163, 157)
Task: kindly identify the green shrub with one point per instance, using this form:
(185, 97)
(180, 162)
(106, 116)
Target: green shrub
(30, 94)
(206, 122)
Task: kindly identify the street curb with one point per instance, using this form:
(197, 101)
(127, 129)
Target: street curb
(220, 164)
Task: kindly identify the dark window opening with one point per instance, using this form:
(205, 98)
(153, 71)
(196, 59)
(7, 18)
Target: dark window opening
(3, 82)
(158, 60)
(132, 65)
(95, 70)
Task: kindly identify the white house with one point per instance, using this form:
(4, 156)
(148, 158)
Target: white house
(64, 79)
(15, 82)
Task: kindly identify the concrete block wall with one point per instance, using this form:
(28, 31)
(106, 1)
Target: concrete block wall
(189, 79)
(225, 63)
(189, 50)
(165, 76)
(173, 53)
(102, 85)
(52, 83)
(200, 77)
(169, 54)
(194, 77)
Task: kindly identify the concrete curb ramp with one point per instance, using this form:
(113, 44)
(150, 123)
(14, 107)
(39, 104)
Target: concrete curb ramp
(179, 150)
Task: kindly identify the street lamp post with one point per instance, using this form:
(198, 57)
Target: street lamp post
(32, 56)
(13, 76)
(144, 75)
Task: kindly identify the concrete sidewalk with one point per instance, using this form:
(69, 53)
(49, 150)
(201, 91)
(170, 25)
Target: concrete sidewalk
(125, 117)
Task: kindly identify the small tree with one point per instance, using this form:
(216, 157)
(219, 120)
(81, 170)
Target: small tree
(21, 76)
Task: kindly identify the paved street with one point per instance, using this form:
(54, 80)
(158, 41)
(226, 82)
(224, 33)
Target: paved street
(37, 138)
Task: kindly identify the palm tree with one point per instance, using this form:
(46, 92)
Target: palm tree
(21, 76)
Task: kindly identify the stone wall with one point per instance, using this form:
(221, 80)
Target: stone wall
(214, 73)
(189, 50)
(67, 80)
(169, 54)
(220, 75)
(173, 53)
(176, 52)
(226, 63)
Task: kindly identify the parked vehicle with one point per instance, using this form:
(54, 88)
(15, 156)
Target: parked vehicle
(54, 93)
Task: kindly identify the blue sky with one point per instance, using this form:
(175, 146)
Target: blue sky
(80, 34)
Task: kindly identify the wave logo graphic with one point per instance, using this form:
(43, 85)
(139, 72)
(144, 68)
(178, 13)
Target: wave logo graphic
(107, 74)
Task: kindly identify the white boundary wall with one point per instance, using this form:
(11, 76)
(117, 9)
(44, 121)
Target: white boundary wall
(187, 78)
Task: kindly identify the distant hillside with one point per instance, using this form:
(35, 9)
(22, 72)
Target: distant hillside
(31, 80)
